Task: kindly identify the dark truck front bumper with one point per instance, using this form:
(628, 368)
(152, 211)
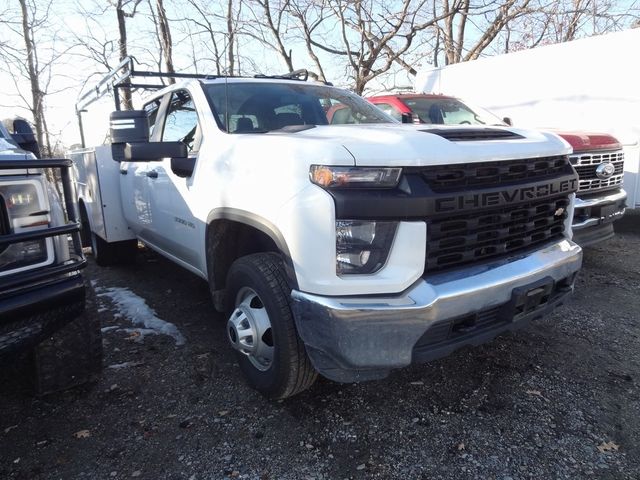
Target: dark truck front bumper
(35, 303)
(594, 216)
(34, 312)
(363, 338)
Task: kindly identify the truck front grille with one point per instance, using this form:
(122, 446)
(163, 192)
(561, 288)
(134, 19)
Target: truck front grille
(586, 165)
(476, 236)
(486, 174)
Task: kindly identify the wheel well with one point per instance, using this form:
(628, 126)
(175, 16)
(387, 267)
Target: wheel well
(228, 240)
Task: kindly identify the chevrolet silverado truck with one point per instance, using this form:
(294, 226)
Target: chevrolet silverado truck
(598, 158)
(346, 250)
(42, 294)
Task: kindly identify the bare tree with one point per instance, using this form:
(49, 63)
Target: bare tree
(268, 26)
(164, 37)
(29, 56)
(215, 28)
(374, 36)
(472, 28)
(310, 16)
(124, 9)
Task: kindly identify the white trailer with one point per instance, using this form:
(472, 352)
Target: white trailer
(589, 84)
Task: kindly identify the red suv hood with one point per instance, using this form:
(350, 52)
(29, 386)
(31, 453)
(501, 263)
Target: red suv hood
(585, 141)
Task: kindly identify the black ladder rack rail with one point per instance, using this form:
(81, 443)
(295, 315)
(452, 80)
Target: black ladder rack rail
(71, 227)
(120, 78)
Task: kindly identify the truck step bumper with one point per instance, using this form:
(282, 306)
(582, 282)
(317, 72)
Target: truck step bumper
(363, 338)
(594, 215)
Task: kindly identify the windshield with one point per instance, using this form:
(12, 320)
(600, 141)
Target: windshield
(449, 111)
(3, 133)
(263, 107)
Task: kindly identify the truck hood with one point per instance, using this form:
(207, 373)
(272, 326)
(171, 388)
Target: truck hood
(415, 145)
(8, 151)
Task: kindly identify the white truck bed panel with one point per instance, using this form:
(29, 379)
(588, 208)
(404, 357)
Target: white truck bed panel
(97, 177)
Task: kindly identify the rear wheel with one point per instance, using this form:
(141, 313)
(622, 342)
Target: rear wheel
(85, 227)
(261, 327)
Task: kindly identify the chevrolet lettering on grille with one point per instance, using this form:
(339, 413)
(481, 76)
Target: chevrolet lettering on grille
(452, 203)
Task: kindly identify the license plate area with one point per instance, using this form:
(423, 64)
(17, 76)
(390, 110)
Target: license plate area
(529, 298)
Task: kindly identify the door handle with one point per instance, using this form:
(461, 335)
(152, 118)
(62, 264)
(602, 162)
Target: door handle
(123, 171)
(152, 174)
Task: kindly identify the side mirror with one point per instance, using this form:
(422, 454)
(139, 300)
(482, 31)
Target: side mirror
(129, 131)
(153, 151)
(508, 121)
(406, 117)
(23, 135)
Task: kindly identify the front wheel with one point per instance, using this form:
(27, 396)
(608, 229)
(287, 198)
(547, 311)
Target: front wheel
(261, 327)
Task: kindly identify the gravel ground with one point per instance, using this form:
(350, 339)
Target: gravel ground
(558, 400)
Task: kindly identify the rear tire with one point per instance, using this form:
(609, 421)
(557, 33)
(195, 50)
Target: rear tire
(85, 227)
(106, 254)
(262, 330)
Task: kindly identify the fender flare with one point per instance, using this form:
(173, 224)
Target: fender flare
(263, 225)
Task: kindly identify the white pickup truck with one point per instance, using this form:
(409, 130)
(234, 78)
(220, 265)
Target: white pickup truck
(344, 249)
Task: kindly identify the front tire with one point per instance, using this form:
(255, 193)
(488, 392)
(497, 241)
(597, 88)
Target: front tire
(261, 327)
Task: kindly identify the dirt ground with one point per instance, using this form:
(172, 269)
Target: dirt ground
(560, 399)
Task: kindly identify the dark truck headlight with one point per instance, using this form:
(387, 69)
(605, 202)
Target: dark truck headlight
(362, 247)
(21, 209)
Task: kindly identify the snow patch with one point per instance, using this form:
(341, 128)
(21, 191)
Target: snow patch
(118, 366)
(136, 310)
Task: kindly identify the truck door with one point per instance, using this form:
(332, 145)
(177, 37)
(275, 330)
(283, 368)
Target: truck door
(134, 188)
(174, 226)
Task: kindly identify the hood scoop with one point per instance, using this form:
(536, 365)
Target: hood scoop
(473, 134)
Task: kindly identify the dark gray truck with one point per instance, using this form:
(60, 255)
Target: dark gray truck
(42, 293)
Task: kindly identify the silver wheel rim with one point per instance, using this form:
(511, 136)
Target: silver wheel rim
(249, 329)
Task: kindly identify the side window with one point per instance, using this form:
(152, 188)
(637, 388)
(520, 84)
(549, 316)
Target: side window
(181, 124)
(389, 110)
(152, 113)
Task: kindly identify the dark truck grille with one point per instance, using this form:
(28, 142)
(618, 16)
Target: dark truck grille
(443, 178)
(476, 236)
(480, 233)
(586, 165)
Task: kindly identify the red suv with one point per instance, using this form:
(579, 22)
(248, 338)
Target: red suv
(434, 109)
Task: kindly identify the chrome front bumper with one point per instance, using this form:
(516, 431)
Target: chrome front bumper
(594, 215)
(361, 338)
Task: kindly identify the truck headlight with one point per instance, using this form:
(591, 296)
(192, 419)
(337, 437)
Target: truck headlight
(22, 209)
(362, 247)
(23, 254)
(354, 177)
